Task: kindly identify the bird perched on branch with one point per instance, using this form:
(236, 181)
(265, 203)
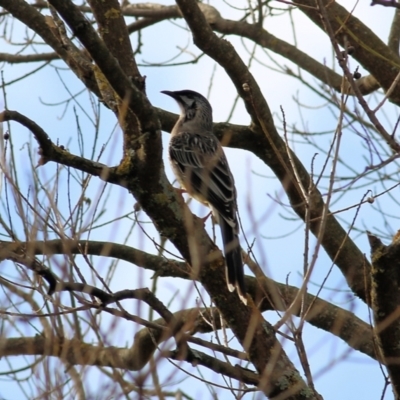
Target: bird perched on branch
(201, 167)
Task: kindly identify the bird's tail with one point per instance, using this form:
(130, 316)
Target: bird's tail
(233, 257)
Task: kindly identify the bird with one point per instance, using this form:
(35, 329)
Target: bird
(201, 168)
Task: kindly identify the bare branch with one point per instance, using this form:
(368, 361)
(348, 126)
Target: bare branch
(19, 58)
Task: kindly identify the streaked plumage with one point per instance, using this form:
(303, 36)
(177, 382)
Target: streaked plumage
(201, 167)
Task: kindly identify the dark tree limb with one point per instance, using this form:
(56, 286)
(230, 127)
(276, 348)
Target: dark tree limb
(394, 34)
(76, 352)
(50, 152)
(385, 299)
(161, 266)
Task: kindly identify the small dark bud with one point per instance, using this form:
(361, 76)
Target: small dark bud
(356, 75)
(6, 136)
(61, 147)
(350, 50)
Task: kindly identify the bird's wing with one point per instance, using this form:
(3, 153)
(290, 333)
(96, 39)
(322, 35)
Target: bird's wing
(202, 167)
(205, 171)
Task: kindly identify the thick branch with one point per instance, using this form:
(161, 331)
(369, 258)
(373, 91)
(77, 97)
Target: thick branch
(394, 34)
(385, 298)
(76, 352)
(114, 32)
(51, 152)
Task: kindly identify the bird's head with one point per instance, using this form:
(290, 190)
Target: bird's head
(194, 107)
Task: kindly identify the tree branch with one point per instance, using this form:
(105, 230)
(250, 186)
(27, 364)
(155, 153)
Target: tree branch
(263, 38)
(26, 58)
(51, 152)
(76, 352)
(394, 34)
(385, 296)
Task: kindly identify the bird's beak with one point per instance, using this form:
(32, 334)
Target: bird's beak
(168, 93)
